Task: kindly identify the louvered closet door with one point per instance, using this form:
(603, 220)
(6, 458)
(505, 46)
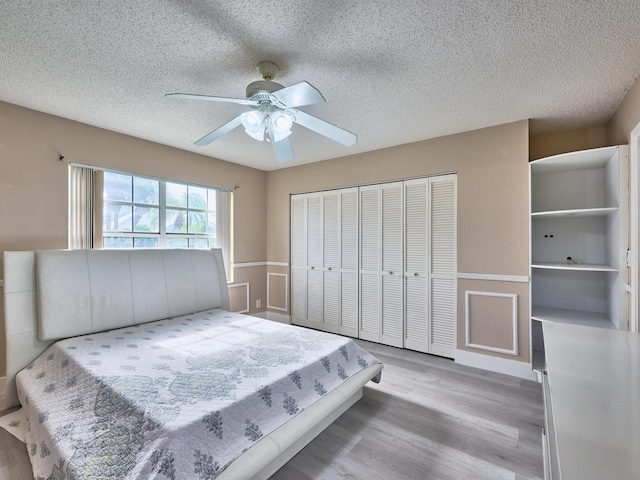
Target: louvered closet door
(315, 278)
(349, 313)
(417, 265)
(442, 288)
(370, 262)
(392, 319)
(331, 261)
(298, 260)
(381, 264)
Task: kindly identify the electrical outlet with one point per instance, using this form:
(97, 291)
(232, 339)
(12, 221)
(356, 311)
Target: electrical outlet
(258, 303)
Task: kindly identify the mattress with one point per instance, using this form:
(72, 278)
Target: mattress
(173, 399)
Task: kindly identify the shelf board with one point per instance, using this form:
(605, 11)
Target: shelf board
(578, 267)
(576, 212)
(574, 317)
(566, 162)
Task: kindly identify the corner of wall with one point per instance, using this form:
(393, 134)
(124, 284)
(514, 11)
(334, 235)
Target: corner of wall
(626, 117)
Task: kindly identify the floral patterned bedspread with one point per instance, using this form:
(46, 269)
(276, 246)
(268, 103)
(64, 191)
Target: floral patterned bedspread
(174, 399)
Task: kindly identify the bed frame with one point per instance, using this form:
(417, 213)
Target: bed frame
(55, 294)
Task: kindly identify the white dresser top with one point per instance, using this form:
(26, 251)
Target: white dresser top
(594, 384)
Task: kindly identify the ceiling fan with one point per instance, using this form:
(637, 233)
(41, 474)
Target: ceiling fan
(274, 109)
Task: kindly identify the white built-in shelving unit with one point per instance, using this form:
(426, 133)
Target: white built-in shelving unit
(578, 241)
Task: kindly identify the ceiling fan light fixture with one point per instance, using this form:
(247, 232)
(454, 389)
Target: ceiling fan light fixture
(274, 111)
(253, 123)
(280, 124)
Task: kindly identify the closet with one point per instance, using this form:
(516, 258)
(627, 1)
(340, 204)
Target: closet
(378, 262)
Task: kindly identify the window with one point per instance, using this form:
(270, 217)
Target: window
(146, 212)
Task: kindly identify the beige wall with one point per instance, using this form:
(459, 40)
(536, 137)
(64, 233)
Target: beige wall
(557, 143)
(493, 225)
(626, 117)
(33, 184)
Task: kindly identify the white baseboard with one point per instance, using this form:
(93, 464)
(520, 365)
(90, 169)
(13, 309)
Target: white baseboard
(496, 364)
(275, 317)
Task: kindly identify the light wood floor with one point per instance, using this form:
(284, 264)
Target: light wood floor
(429, 419)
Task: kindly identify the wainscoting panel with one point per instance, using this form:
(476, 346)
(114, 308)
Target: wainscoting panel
(278, 291)
(239, 297)
(491, 321)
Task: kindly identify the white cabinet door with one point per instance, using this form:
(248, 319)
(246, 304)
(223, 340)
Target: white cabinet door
(443, 266)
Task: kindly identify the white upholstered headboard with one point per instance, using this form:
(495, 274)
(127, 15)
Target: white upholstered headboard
(54, 294)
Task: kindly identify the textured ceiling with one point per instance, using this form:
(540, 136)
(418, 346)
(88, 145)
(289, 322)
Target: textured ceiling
(391, 72)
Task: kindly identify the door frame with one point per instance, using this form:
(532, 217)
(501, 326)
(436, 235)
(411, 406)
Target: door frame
(634, 166)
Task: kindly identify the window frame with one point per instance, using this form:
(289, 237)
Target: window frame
(223, 235)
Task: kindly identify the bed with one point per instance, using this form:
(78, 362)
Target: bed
(128, 364)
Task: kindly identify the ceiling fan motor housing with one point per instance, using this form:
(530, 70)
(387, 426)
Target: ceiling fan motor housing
(262, 88)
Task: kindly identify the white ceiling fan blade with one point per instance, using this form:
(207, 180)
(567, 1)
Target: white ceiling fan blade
(327, 129)
(283, 149)
(220, 131)
(297, 95)
(193, 96)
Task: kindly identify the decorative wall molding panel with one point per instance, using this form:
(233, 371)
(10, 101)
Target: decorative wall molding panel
(247, 304)
(284, 304)
(514, 322)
